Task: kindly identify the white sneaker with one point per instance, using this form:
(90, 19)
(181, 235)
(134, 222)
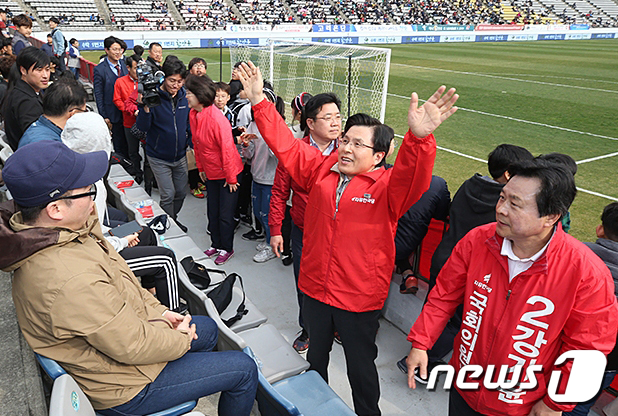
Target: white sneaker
(262, 246)
(264, 255)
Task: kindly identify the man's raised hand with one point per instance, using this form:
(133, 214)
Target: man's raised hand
(423, 120)
(251, 78)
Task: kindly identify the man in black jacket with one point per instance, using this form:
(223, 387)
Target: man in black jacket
(155, 57)
(23, 103)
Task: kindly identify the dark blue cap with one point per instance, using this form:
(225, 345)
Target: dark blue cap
(40, 172)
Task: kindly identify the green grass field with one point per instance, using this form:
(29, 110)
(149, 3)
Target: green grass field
(552, 96)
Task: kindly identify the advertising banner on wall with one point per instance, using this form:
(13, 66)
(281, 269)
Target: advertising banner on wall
(500, 27)
(290, 27)
(215, 43)
(443, 28)
(347, 40)
(457, 38)
(492, 38)
(518, 37)
(248, 28)
(169, 43)
(379, 39)
(602, 36)
(420, 39)
(333, 28)
(384, 28)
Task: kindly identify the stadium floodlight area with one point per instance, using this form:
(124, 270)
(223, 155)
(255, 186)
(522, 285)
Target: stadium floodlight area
(357, 74)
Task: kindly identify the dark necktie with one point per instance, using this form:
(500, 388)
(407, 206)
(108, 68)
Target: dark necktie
(118, 69)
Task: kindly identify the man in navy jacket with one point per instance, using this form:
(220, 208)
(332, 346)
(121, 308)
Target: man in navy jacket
(105, 76)
(167, 128)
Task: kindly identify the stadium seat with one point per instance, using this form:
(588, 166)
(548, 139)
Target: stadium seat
(306, 394)
(277, 357)
(55, 371)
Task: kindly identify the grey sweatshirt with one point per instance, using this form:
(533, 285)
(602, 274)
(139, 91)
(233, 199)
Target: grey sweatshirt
(263, 160)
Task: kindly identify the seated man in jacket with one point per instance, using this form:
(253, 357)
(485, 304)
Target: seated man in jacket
(353, 208)
(530, 292)
(78, 302)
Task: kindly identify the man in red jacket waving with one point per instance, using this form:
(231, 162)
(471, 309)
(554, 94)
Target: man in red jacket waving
(350, 223)
(530, 293)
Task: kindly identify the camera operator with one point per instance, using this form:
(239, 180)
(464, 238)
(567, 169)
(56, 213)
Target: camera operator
(167, 136)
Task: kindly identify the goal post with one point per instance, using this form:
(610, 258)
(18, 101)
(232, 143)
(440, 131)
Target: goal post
(357, 74)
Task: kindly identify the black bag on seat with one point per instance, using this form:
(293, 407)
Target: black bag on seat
(220, 293)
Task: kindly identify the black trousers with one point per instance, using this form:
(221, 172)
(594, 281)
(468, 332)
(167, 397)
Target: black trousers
(119, 140)
(286, 232)
(221, 204)
(457, 406)
(156, 267)
(133, 149)
(358, 332)
(243, 207)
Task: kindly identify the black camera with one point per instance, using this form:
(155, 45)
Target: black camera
(148, 84)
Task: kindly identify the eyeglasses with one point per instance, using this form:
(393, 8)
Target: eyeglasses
(81, 110)
(329, 118)
(356, 143)
(92, 193)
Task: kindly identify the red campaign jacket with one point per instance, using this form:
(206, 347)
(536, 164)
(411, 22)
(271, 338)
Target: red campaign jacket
(564, 302)
(349, 249)
(280, 194)
(215, 151)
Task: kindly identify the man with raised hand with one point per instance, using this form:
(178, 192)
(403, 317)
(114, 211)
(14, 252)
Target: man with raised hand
(530, 292)
(353, 208)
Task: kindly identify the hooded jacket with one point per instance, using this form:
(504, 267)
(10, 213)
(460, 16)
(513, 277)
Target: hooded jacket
(166, 127)
(564, 301)
(474, 204)
(215, 151)
(349, 248)
(78, 303)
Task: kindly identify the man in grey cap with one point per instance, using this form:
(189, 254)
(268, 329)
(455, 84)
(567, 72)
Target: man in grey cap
(78, 303)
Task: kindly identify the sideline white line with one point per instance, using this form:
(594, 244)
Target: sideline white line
(552, 76)
(592, 159)
(506, 78)
(522, 121)
(600, 195)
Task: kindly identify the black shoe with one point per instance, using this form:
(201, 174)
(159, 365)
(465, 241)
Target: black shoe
(182, 227)
(252, 235)
(403, 366)
(287, 259)
(246, 219)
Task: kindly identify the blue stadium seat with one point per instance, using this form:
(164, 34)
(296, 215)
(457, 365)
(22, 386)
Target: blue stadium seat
(54, 371)
(306, 394)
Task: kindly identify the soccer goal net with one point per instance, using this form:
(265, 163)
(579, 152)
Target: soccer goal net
(357, 74)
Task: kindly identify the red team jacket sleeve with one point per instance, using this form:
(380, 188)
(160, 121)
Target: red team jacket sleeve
(280, 193)
(591, 325)
(443, 299)
(229, 155)
(411, 173)
(300, 160)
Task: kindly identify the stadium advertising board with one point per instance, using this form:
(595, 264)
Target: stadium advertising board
(578, 36)
(551, 36)
(420, 39)
(379, 39)
(579, 27)
(519, 37)
(443, 28)
(500, 28)
(347, 40)
(602, 36)
(383, 28)
(288, 28)
(215, 43)
(248, 28)
(457, 38)
(492, 38)
(333, 28)
(168, 43)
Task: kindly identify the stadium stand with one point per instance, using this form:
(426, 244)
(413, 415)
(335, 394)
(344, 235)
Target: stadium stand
(78, 18)
(206, 14)
(323, 11)
(265, 11)
(141, 15)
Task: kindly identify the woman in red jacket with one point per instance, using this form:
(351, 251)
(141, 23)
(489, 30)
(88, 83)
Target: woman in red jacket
(218, 162)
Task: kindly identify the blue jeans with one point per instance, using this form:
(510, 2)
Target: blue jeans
(196, 374)
(261, 205)
(582, 409)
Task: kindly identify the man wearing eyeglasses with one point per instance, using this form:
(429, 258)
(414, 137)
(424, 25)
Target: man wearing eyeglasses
(61, 101)
(351, 217)
(78, 303)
